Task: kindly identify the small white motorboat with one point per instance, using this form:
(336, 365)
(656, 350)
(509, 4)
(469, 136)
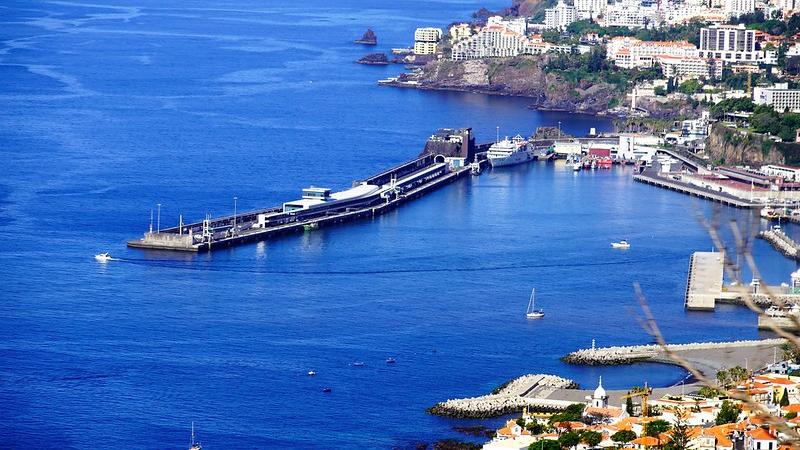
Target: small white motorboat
(311, 373)
(102, 257)
(577, 166)
(621, 244)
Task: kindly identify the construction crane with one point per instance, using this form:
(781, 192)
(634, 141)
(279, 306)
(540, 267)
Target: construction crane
(644, 393)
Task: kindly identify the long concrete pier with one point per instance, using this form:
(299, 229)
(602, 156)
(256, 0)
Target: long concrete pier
(385, 191)
(686, 188)
(704, 283)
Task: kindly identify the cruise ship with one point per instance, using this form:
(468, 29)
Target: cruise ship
(509, 151)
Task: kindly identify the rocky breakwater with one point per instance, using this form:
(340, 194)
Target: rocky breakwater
(781, 242)
(637, 353)
(526, 391)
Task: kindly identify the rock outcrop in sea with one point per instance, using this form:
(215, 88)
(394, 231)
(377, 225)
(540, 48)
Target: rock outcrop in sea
(375, 59)
(368, 38)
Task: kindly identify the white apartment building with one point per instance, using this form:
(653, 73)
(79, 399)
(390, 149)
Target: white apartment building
(490, 42)
(560, 16)
(779, 96)
(519, 25)
(627, 52)
(675, 12)
(730, 43)
(631, 14)
(735, 8)
(689, 67)
(590, 9)
(426, 40)
(460, 31)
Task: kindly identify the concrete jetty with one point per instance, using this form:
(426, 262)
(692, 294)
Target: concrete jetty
(704, 284)
(529, 391)
(707, 357)
(781, 242)
(319, 208)
(687, 188)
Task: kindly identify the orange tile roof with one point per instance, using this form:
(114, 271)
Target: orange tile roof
(795, 407)
(761, 435)
(646, 440)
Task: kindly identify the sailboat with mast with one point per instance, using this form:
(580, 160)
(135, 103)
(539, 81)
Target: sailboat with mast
(194, 444)
(532, 312)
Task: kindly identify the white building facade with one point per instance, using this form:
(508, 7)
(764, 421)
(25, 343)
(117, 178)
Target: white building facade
(780, 97)
(560, 16)
(688, 67)
(426, 40)
(729, 43)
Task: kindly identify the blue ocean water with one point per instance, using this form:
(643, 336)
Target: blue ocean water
(110, 108)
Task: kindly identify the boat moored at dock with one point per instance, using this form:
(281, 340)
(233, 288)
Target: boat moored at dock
(509, 152)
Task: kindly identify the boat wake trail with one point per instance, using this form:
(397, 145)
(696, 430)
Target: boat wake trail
(191, 265)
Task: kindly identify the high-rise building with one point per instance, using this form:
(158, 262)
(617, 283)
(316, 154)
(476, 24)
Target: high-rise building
(590, 9)
(729, 43)
(426, 40)
(560, 16)
(735, 8)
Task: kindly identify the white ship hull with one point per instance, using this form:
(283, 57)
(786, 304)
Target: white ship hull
(518, 157)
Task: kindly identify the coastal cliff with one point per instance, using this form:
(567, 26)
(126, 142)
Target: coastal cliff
(521, 76)
(729, 146)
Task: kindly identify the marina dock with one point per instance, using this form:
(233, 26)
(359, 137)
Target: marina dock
(704, 283)
(686, 188)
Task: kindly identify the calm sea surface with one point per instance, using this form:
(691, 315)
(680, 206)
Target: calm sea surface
(108, 109)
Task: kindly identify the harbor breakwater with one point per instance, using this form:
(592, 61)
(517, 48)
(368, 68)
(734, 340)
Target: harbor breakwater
(618, 355)
(528, 391)
(781, 242)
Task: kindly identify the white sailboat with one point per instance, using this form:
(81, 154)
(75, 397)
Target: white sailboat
(532, 312)
(194, 444)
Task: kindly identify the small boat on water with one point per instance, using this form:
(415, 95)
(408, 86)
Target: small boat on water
(532, 312)
(311, 373)
(390, 360)
(194, 445)
(311, 226)
(326, 390)
(577, 166)
(102, 257)
(358, 364)
(623, 244)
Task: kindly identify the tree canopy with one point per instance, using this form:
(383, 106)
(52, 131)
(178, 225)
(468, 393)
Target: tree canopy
(728, 413)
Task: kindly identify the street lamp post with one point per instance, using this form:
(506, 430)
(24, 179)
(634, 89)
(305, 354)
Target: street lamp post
(559, 130)
(158, 221)
(234, 213)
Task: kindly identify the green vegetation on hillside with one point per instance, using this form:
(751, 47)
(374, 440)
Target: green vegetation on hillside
(593, 67)
(685, 32)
